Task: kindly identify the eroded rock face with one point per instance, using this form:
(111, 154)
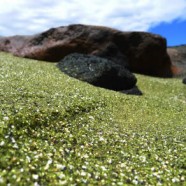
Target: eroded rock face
(140, 52)
(178, 58)
(97, 71)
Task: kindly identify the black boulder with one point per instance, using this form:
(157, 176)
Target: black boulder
(97, 71)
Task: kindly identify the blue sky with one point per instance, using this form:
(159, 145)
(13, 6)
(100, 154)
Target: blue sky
(174, 32)
(164, 17)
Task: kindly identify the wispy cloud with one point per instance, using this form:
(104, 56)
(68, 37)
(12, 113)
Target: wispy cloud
(28, 17)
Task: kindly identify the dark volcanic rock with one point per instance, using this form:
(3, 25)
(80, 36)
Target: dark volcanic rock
(178, 58)
(133, 91)
(184, 80)
(145, 52)
(97, 71)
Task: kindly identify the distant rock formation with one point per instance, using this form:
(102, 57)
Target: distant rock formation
(178, 58)
(140, 52)
(97, 71)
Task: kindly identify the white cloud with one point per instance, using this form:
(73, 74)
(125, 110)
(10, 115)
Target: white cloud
(28, 17)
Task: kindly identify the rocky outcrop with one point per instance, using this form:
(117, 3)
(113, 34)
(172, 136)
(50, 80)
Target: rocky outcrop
(178, 58)
(97, 71)
(140, 52)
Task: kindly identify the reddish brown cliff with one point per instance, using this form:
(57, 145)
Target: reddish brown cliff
(178, 58)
